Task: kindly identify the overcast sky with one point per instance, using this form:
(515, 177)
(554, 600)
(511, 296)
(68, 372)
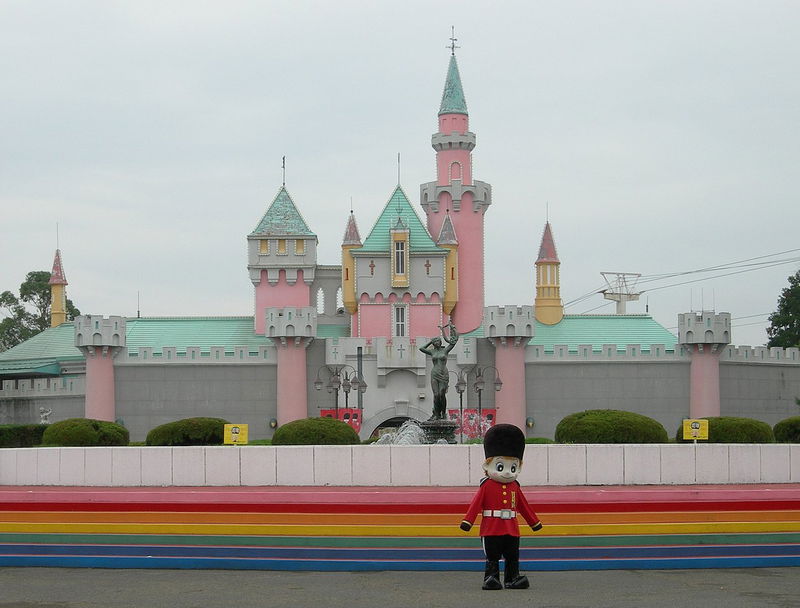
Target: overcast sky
(662, 136)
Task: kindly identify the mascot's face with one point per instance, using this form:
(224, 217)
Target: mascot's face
(502, 468)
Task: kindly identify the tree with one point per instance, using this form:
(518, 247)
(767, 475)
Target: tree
(28, 314)
(784, 329)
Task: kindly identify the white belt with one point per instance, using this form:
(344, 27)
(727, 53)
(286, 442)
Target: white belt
(501, 513)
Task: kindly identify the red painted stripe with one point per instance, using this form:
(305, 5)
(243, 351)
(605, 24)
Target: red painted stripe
(397, 508)
(398, 500)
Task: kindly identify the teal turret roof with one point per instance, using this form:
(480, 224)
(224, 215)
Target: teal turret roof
(597, 330)
(398, 208)
(282, 218)
(453, 100)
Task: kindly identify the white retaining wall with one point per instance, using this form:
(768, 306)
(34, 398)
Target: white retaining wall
(370, 465)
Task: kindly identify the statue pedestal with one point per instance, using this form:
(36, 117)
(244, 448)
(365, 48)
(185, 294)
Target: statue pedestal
(439, 429)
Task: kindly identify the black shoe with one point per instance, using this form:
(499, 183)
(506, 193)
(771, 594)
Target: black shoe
(491, 583)
(520, 582)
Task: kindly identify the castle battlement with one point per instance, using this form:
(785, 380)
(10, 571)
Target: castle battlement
(196, 355)
(43, 387)
(704, 327)
(97, 330)
(290, 322)
(761, 354)
(537, 353)
(508, 321)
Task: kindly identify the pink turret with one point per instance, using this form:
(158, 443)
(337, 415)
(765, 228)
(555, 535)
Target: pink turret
(465, 199)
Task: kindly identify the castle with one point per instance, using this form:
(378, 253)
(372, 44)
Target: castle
(343, 340)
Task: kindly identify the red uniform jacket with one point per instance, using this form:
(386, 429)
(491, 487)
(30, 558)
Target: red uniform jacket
(495, 496)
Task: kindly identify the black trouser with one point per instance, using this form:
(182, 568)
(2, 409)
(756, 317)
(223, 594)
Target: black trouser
(505, 546)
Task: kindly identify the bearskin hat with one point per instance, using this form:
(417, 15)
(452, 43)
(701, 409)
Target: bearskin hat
(504, 440)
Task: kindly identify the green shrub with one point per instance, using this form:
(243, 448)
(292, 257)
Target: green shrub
(21, 435)
(82, 432)
(538, 440)
(189, 431)
(788, 430)
(609, 426)
(730, 429)
(315, 431)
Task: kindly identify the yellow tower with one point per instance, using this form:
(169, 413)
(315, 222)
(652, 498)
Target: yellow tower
(548, 307)
(351, 241)
(58, 292)
(447, 240)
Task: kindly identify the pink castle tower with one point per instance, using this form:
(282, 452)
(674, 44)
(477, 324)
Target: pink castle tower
(282, 258)
(456, 193)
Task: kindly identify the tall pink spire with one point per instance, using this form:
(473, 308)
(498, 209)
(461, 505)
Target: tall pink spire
(457, 197)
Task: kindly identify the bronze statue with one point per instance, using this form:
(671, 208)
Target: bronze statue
(440, 377)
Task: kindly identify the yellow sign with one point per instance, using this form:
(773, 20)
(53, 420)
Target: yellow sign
(695, 429)
(235, 434)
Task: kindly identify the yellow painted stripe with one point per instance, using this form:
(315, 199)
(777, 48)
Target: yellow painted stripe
(400, 519)
(366, 530)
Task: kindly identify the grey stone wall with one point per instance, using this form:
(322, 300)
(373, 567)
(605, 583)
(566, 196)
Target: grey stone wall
(761, 391)
(150, 395)
(658, 390)
(25, 410)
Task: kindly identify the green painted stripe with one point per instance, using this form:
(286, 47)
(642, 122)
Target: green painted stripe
(340, 541)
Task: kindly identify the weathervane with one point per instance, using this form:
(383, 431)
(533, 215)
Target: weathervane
(283, 166)
(452, 46)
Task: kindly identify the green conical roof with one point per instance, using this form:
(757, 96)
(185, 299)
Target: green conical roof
(453, 101)
(398, 208)
(282, 218)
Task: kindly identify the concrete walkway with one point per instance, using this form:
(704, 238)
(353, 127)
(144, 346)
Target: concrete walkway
(90, 588)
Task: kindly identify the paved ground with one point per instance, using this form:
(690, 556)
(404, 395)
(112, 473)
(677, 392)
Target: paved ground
(86, 588)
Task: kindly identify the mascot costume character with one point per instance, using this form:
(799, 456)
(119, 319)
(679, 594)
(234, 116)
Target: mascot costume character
(499, 500)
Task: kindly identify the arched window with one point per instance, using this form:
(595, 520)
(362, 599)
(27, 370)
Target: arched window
(339, 298)
(320, 301)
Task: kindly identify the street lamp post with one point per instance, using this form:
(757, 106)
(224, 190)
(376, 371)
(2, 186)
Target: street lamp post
(461, 386)
(341, 379)
(480, 384)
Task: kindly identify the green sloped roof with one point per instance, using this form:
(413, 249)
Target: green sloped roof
(52, 343)
(575, 330)
(333, 331)
(453, 100)
(203, 332)
(40, 355)
(282, 218)
(379, 239)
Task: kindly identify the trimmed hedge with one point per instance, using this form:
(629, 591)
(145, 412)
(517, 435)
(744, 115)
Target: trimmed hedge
(731, 429)
(21, 435)
(315, 431)
(189, 431)
(85, 432)
(538, 440)
(609, 426)
(788, 430)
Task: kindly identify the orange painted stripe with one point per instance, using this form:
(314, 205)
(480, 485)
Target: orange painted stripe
(401, 519)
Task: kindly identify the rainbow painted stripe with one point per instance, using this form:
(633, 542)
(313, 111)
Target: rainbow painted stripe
(280, 528)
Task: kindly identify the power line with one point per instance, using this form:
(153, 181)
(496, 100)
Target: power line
(744, 264)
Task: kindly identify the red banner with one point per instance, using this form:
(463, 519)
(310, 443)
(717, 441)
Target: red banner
(470, 425)
(350, 415)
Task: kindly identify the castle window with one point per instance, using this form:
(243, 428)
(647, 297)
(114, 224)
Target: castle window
(300, 246)
(281, 246)
(399, 257)
(320, 301)
(263, 246)
(400, 321)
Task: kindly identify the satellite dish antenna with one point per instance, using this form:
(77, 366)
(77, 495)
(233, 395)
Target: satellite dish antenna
(621, 288)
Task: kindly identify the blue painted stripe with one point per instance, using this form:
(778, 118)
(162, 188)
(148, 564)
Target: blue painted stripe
(334, 566)
(393, 554)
